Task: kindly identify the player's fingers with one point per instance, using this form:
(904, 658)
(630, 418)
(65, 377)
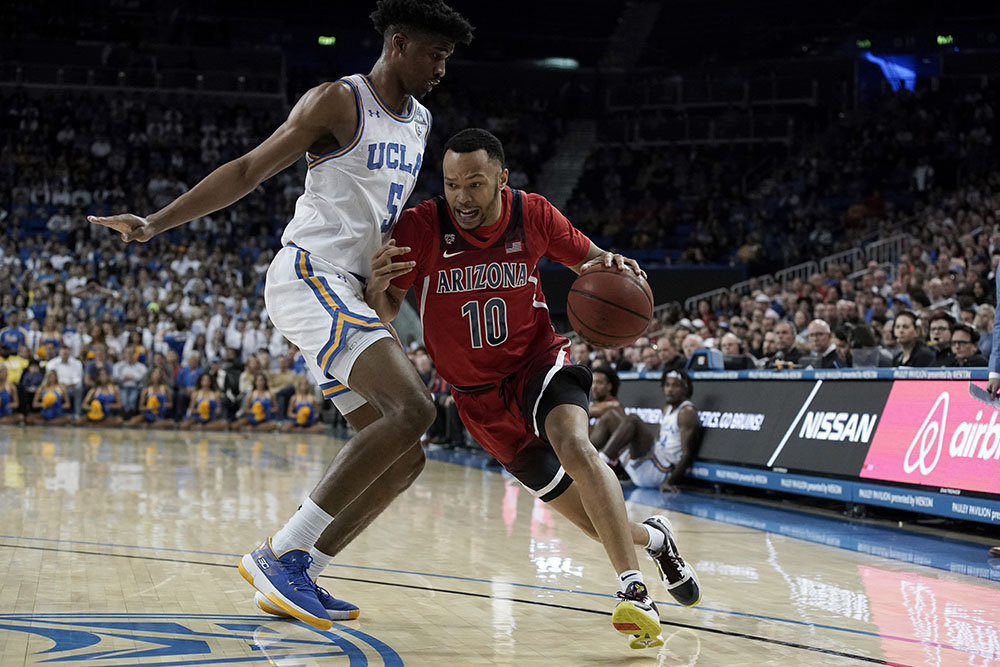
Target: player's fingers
(117, 225)
(388, 251)
(399, 268)
(634, 267)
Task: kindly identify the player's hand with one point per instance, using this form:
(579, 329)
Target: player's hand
(620, 262)
(667, 487)
(384, 270)
(992, 386)
(131, 227)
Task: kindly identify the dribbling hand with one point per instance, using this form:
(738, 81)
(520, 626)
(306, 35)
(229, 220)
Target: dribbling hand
(130, 227)
(620, 262)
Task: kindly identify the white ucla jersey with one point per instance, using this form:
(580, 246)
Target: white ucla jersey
(667, 449)
(354, 195)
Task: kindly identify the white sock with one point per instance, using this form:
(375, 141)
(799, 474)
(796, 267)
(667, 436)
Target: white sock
(656, 538)
(320, 561)
(302, 530)
(630, 577)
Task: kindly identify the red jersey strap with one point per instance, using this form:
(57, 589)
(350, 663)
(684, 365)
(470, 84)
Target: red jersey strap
(452, 241)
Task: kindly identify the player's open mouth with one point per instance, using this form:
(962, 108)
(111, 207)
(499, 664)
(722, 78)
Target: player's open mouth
(466, 214)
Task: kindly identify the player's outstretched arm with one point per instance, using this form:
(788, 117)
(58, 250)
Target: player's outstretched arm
(328, 109)
(383, 297)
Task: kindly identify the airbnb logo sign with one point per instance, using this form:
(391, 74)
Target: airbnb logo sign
(955, 445)
(929, 438)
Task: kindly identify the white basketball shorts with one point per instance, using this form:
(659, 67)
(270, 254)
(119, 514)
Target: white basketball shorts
(647, 472)
(320, 308)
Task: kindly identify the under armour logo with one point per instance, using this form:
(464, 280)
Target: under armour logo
(375, 113)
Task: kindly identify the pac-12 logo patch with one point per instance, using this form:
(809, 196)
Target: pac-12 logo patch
(187, 639)
(420, 123)
(449, 238)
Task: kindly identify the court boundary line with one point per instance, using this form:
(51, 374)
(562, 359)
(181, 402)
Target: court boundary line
(730, 633)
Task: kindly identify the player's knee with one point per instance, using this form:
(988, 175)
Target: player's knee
(415, 414)
(633, 419)
(576, 454)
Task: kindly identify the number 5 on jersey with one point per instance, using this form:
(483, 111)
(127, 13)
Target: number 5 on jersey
(493, 320)
(395, 194)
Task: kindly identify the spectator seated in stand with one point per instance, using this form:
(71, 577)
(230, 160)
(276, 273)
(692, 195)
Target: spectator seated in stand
(964, 348)
(51, 403)
(913, 352)
(205, 409)
(103, 404)
(304, 410)
(258, 412)
(154, 402)
(9, 400)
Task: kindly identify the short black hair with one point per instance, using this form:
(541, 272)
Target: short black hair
(473, 139)
(431, 16)
(684, 377)
(612, 376)
(973, 334)
(942, 315)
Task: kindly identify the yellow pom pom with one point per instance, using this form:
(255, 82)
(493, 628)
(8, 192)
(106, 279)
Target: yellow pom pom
(258, 411)
(204, 409)
(153, 403)
(49, 399)
(303, 414)
(96, 412)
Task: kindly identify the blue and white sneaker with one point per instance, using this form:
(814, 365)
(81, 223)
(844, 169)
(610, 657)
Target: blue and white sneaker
(678, 577)
(284, 582)
(339, 610)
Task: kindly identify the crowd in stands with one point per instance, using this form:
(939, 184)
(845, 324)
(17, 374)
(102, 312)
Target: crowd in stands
(174, 332)
(74, 300)
(936, 308)
(869, 172)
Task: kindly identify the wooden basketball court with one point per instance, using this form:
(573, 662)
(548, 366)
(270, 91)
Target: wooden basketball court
(120, 548)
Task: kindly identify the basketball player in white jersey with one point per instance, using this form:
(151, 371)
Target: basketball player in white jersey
(363, 138)
(660, 462)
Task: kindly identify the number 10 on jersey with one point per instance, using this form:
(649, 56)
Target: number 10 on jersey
(492, 322)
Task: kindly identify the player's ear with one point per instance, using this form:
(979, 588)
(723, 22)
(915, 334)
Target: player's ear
(398, 41)
(502, 181)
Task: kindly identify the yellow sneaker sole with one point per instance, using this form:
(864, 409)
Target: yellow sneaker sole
(630, 620)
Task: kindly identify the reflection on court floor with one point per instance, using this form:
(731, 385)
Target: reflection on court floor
(120, 548)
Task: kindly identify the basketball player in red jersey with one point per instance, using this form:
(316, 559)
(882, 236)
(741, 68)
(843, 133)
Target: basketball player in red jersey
(472, 257)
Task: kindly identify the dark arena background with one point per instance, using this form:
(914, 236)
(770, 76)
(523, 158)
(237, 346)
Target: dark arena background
(813, 190)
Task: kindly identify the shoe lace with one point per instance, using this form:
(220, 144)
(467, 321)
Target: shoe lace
(632, 593)
(321, 592)
(298, 577)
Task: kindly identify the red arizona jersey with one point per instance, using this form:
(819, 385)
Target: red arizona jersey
(479, 297)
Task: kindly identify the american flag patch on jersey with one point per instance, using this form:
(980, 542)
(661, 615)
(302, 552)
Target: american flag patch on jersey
(514, 246)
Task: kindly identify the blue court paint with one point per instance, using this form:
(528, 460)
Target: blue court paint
(176, 640)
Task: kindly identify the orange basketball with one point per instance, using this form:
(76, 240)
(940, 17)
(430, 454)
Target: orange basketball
(608, 307)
